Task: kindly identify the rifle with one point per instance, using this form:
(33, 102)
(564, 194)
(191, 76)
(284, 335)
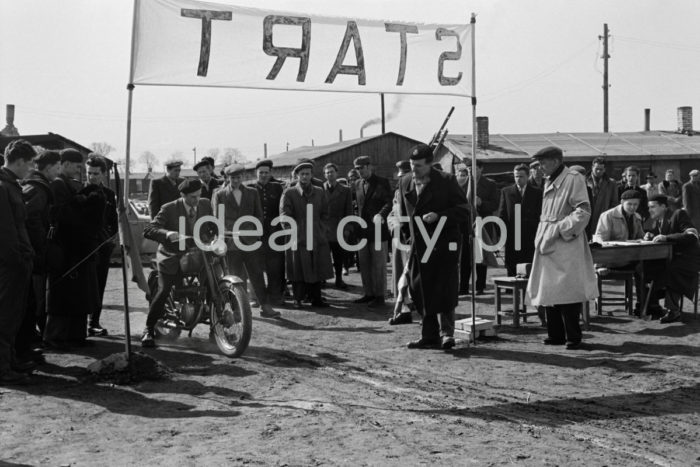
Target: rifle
(439, 137)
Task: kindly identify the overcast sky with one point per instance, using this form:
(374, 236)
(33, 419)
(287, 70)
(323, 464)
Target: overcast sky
(65, 66)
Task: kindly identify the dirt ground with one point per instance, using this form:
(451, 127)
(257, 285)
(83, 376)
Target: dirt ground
(338, 386)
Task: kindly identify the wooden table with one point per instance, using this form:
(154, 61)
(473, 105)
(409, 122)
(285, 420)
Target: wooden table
(617, 252)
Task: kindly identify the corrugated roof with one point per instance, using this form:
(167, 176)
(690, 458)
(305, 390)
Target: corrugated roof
(290, 158)
(579, 145)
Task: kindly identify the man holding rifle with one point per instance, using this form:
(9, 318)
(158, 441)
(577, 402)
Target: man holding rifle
(434, 199)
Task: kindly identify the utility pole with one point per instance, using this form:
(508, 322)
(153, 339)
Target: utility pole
(606, 86)
(383, 117)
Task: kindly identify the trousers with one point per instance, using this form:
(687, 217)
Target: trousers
(373, 269)
(563, 322)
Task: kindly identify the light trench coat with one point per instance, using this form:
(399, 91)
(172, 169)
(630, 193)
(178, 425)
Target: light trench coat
(562, 269)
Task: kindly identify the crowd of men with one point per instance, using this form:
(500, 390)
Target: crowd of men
(57, 236)
(60, 234)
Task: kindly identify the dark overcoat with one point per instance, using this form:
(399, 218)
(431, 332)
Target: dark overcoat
(530, 210)
(307, 263)
(38, 199)
(72, 261)
(438, 277)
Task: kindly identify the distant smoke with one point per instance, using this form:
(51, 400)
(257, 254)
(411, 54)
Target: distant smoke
(393, 113)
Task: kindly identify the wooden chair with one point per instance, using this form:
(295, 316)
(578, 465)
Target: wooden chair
(695, 299)
(518, 287)
(626, 275)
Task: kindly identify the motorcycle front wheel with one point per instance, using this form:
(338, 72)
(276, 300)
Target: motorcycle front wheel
(233, 323)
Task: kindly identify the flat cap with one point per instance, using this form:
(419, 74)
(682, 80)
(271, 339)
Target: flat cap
(404, 166)
(651, 175)
(303, 165)
(190, 186)
(263, 163)
(534, 164)
(630, 194)
(420, 151)
(71, 155)
(659, 198)
(694, 172)
(549, 152)
(173, 164)
(234, 169)
(362, 160)
(202, 163)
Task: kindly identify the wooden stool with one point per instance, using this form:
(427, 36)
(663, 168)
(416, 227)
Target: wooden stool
(517, 286)
(626, 275)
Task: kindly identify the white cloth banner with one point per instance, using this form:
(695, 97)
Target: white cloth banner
(190, 43)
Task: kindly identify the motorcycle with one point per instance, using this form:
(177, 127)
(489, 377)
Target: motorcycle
(209, 295)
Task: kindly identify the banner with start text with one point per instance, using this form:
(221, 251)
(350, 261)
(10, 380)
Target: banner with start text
(190, 43)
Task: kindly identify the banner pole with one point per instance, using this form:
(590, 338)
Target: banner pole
(127, 162)
(477, 236)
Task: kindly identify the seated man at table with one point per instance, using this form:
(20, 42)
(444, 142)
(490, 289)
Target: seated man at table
(619, 224)
(679, 276)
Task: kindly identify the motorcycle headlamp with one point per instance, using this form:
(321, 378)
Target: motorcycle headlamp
(220, 248)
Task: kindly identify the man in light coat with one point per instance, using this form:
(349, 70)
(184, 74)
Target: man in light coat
(562, 276)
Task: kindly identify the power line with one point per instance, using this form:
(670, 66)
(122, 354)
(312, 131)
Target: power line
(668, 45)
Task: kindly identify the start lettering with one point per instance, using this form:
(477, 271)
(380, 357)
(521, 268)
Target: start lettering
(303, 52)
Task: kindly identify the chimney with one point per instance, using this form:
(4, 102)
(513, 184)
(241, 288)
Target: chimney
(647, 119)
(482, 132)
(340, 135)
(362, 132)
(685, 120)
(10, 129)
(265, 151)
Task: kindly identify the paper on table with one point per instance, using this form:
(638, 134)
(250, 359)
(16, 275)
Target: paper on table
(627, 243)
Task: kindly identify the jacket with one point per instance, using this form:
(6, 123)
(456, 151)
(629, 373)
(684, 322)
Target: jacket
(339, 206)
(38, 199)
(374, 196)
(612, 226)
(15, 246)
(161, 192)
(603, 197)
(168, 220)
(249, 206)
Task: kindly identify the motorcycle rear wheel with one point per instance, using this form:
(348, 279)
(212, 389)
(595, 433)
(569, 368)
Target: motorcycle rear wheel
(233, 324)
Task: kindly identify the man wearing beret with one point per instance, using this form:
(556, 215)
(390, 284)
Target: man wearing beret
(270, 193)
(17, 255)
(431, 196)
(562, 276)
(205, 169)
(307, 265)
(679, 276)
(165, 189)
(239, 201)
(374, 200)
(165, 229)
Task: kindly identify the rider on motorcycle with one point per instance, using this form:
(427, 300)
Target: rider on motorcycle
(164, 229)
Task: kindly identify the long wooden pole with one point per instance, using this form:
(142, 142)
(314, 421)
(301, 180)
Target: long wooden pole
(383, 115)
(130, 90)
(606, 86)
(473, 179)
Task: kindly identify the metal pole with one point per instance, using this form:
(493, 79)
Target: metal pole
(383, 116)
(477, 236)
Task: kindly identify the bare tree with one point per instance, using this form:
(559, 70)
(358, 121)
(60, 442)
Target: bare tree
(103, 149)
(148, 159)
(233, 155)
